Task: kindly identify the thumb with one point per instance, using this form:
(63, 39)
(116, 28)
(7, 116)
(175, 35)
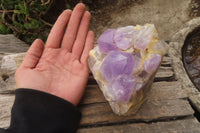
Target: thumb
(33, 54)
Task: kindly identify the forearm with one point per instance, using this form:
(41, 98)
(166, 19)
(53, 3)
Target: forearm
(38, 112)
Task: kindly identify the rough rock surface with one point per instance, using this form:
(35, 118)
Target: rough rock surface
(175, 52)
(9, 64)
(11, 57)
(10, 44)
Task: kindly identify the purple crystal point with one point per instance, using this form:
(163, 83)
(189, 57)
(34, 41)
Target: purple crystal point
(152, 64)
(121, 88)
(106, 42)
(137, 60)
(144, 37)
(116, 63)
(124, 37)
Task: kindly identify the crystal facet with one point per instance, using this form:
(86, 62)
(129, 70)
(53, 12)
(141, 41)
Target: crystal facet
(124, 65)
(152, 64)
(121, 88)
(106, 41)
(115, 64)
(123, 37)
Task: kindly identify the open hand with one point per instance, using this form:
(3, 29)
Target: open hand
(60, 67)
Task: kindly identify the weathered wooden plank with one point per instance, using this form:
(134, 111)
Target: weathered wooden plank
(10, 44)
(92, 95)
(93, 114)
(195, 101)
(190, 125)
(167, 61)
(101, 112)
(163, 72)
(6, 102)
(166, 91)
(9, 84)
(160, 91)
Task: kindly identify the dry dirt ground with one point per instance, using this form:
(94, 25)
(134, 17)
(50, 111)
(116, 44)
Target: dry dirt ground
(167, 15)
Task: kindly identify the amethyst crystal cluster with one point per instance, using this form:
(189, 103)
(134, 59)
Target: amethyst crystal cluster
(124, 64)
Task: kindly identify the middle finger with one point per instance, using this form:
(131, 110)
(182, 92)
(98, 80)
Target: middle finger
(72, 28)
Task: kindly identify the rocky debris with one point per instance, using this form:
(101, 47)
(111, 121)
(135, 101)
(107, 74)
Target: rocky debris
(8, 66)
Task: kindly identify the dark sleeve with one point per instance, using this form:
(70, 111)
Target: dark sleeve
(38, 112)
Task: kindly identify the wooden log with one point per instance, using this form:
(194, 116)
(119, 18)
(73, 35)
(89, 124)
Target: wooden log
(160, 91)
(164, 73)
(10, 44)
(190, 125)
(93, 114)
(8, 85)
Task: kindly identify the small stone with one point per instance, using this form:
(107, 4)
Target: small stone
(8, 66)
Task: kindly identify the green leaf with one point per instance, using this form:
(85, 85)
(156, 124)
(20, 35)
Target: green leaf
(68, 6)
(18, 12)
(4, 29)
(34, 24)
(1, 19)
(20, 18)
(25, 19)
(21, 7)
(26, 9)
(9, 4)
(17, 7)
(18, 25)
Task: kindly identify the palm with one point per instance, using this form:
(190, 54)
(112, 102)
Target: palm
(59, 70)
(62, 69)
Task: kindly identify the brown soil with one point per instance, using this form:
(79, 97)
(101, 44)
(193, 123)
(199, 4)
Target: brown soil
(100, 9)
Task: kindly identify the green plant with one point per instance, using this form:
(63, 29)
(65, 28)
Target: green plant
(24, 18)
(4, 29)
